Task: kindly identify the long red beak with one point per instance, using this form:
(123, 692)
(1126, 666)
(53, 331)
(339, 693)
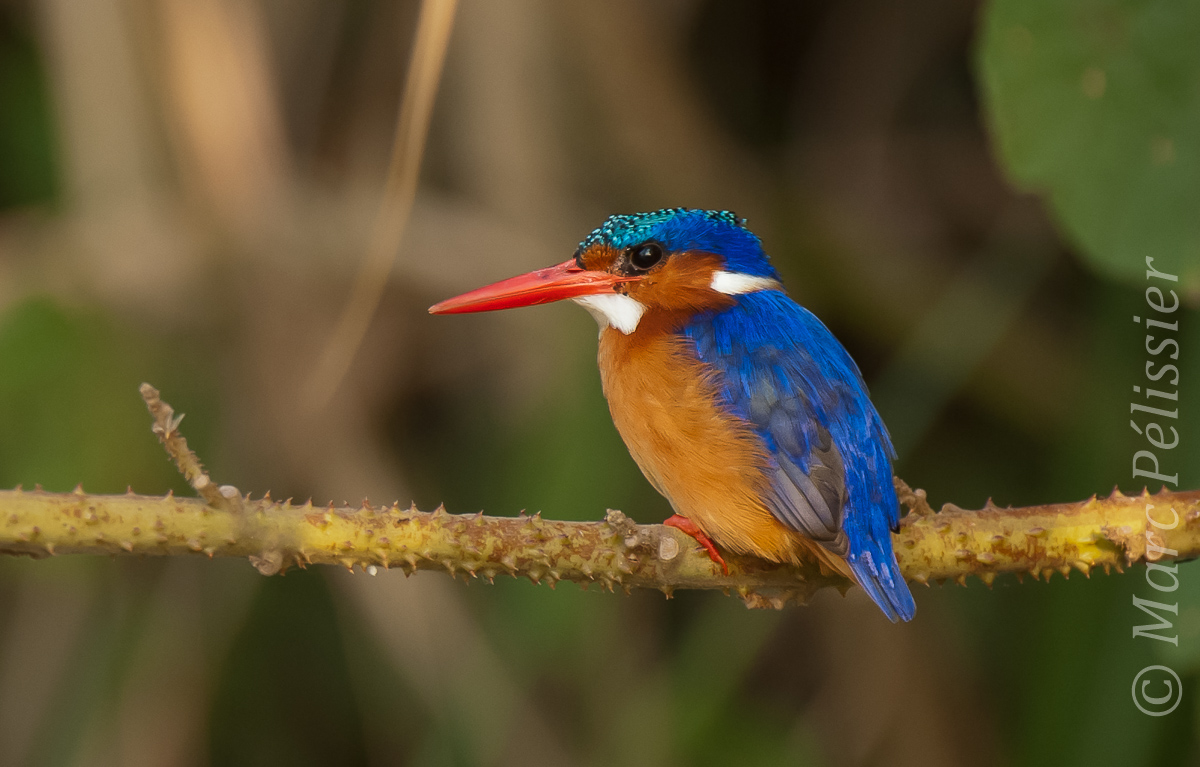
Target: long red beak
(554, 283)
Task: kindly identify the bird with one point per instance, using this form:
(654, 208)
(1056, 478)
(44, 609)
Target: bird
(738, 404)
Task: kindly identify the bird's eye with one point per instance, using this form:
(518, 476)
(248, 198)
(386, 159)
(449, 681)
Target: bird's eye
(646, 256)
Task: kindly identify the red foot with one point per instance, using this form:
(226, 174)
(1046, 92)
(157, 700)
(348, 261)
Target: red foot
(692, 529)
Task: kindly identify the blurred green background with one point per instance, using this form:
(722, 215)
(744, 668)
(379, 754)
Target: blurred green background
(965, 193)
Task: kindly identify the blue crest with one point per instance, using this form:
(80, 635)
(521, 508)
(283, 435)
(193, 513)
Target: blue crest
(681, 229)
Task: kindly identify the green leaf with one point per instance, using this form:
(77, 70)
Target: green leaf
(1096, 106)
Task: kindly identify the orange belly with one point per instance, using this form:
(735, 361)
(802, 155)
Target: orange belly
(708, 464)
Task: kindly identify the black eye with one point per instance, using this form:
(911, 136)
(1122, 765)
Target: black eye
(646, 255)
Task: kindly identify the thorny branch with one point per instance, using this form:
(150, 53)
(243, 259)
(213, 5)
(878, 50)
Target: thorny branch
(951, 544)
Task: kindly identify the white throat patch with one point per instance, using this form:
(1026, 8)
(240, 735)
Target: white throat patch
(736, 283)
(614, 309)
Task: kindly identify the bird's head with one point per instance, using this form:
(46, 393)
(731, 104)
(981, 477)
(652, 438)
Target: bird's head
(674, 262)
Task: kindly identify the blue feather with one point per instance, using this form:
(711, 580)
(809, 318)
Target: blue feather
(684, 229)
(775, 357)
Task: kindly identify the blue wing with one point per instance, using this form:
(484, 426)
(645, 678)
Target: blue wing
(785, 373)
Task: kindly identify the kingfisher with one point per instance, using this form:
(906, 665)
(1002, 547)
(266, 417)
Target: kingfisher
(737, 403)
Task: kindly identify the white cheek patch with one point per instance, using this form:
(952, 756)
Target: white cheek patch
(613, 309)
(736, 283)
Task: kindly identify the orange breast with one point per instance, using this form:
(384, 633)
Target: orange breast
(709, 464)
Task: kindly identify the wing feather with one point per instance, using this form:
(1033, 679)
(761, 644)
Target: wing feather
(785, 373)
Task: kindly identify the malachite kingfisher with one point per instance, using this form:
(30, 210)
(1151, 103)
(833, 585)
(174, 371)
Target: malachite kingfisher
(737, 403)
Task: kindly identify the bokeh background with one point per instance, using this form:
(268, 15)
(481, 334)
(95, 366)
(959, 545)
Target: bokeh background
(965, 193)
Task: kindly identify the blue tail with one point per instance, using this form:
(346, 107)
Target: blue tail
(884, 584)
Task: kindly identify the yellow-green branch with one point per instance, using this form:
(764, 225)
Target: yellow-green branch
(948, 545)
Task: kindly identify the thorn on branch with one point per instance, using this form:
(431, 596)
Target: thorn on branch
(166, 427)
(914, 500)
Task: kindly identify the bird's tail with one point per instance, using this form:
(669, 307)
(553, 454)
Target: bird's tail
(883, 583)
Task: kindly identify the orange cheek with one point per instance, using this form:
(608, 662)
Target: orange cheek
(683, 283)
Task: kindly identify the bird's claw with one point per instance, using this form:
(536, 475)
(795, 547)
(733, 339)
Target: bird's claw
(691, 528)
